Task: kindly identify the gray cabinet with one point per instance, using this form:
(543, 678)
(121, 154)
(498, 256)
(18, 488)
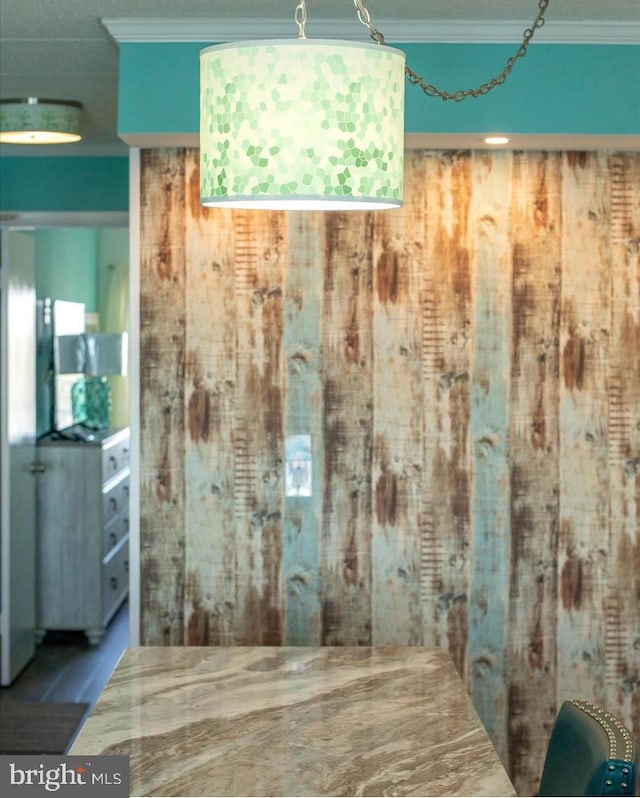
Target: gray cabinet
(83, 532)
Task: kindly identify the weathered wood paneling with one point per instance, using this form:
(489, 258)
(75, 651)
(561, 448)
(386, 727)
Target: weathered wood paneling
(468, 372)
(302, 563)
(259, 426)
(584, 534)
(162, 389)
(533, 456)
(489, 431)
(623, 591)
(209, 411)
(347, 367)
(447, 384)
(397, 459)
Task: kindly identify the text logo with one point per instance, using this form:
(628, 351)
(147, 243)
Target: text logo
(33, 775)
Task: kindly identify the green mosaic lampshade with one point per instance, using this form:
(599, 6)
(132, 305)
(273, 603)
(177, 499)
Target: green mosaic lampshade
(301, 125)
(35, 121)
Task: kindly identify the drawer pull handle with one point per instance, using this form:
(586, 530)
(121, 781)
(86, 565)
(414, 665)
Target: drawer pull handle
(125, 451)
(113, 462)
(125, 524)
(114, 582)
(126, 491)
(113, 538)
(126, 566)
(113, 503)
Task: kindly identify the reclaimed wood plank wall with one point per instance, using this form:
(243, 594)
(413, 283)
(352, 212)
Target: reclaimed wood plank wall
(468, 370)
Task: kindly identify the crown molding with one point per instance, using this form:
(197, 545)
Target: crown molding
(441, 141)
(78, 149)
(21, 220)
(407, 31)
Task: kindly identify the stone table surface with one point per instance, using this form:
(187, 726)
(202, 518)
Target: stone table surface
(289, 721)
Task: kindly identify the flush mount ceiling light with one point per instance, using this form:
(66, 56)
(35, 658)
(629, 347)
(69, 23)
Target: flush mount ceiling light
(300, 124)
(35, 121)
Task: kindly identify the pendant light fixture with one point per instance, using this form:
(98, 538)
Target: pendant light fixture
(300, 124)
(35, 121)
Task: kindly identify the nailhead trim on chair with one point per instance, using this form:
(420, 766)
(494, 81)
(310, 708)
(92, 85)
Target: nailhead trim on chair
(619, 768)
(607, 721)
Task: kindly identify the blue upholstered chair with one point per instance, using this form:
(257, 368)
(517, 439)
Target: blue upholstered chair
(590, 753)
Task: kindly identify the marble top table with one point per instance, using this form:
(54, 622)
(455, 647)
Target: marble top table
(292, 722)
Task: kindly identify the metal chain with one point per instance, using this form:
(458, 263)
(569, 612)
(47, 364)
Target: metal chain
(462, 94)
(300, 17)
(365, 18)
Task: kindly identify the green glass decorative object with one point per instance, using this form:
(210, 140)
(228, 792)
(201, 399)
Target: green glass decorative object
(91, 401)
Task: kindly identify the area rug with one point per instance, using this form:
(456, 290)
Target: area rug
(38, 727)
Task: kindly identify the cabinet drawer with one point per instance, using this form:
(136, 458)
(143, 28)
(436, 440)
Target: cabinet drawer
(115, 457)
(115, 577)
(114, 531)
(115, 499)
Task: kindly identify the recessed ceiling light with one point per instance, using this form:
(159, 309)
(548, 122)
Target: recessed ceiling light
(496, 140)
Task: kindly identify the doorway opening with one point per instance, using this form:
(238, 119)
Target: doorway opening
(81, 258)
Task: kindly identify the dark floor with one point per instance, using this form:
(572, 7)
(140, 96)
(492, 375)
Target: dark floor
(67, 668)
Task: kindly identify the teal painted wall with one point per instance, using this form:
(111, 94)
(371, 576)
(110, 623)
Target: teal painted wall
(581, 89)
(158, 90)
(91, 266)
(64, 183)
(562, 89)
(113, 303)
(67, 265)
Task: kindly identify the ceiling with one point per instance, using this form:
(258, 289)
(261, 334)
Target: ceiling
(60, 49)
